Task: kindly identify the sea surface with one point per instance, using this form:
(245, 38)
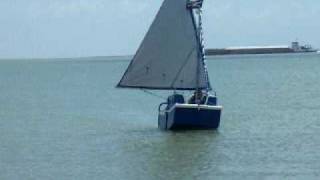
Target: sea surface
(64, 119)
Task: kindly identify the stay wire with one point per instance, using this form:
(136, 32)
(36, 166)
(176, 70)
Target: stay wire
(154, 94)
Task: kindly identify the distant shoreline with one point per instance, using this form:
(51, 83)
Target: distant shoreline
(283, 49)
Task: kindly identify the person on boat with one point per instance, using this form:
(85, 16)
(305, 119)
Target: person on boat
(198, 97)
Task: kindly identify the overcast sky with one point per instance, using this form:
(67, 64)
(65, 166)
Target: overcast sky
(73, 28)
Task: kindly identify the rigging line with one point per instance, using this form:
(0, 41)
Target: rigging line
(153, 94)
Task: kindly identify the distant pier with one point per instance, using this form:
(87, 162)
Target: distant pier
(294, 48)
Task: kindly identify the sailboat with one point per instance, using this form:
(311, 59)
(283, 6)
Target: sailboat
(171, 57)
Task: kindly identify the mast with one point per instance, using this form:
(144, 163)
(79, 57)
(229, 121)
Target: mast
(203, 58)
(195, 6)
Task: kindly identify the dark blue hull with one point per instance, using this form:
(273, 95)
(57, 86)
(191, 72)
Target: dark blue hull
(186, 116)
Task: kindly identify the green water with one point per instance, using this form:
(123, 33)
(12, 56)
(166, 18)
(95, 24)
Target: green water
(63, 119)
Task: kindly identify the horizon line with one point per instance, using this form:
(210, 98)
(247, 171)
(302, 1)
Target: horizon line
(60, 58)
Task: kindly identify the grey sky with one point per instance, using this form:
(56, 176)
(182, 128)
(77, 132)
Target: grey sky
(73, 28)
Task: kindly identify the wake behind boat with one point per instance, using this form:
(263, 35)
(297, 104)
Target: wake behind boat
(171, 57)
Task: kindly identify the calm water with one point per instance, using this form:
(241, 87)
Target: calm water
(63, 119)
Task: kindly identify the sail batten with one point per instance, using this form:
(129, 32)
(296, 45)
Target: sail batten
(168, 57)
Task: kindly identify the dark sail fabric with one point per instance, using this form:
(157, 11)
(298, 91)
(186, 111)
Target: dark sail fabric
(170, 54)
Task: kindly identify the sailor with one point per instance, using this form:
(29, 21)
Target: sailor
(197, 98)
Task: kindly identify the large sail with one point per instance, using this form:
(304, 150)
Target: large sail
(170, 55)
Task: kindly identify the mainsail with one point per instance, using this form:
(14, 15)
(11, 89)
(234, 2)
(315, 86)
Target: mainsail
(170, 56)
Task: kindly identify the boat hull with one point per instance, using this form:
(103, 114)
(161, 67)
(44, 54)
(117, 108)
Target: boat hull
(190, 116)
